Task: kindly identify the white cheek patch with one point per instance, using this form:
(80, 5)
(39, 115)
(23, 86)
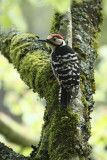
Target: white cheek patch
(63, 43)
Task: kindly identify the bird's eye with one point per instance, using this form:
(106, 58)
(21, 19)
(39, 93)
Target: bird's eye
(54, 39)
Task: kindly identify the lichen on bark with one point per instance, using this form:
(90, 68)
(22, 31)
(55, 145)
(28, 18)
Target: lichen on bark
(85, 32)
(8, 153)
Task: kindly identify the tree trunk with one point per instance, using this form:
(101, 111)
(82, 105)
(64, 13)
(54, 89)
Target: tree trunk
(65, 133)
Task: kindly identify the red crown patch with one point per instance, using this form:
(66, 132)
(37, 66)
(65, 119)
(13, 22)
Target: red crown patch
(57, 35)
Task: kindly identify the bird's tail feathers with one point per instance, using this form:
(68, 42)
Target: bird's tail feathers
(64, 97)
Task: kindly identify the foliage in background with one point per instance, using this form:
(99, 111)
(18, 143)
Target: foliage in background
(98, 139)
(11, 14)
(101, 76)
(59, 5)
(105, 7)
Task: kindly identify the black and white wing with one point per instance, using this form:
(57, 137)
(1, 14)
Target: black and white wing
(66, 68)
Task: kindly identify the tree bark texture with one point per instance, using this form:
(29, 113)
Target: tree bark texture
(65, 133)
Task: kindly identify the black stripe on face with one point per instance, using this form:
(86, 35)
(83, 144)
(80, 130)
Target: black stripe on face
(50, 42)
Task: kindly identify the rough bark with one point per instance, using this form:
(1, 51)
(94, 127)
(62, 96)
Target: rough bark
(65, 133)
(7, 153)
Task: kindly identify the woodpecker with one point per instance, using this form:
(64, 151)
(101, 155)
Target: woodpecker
(65, 66)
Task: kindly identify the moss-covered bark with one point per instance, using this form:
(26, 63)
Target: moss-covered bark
(65, 133)
(87, 18)
(7, 153)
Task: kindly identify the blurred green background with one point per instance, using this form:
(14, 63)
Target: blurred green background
(20, 108)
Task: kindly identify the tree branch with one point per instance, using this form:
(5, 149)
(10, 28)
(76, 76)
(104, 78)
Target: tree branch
(65, 133)
(62, 24)
(8, 153)
(30, 58)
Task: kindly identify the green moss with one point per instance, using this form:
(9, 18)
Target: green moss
(20, 46)
(95, 44)
(64, 125)
(93, 86)
(56, 23)
(100, 15)
(85, 33)
(81, 53)
(84, 101)
(34, 66)
(42, 153)
(6, 42)
(83, 78)
(82, 87)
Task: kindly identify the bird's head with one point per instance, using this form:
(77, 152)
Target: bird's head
(54, 40)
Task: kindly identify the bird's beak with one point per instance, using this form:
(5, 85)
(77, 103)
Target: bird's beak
(43, 40)
(47, 41)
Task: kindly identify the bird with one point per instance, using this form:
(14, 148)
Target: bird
(65, 66)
